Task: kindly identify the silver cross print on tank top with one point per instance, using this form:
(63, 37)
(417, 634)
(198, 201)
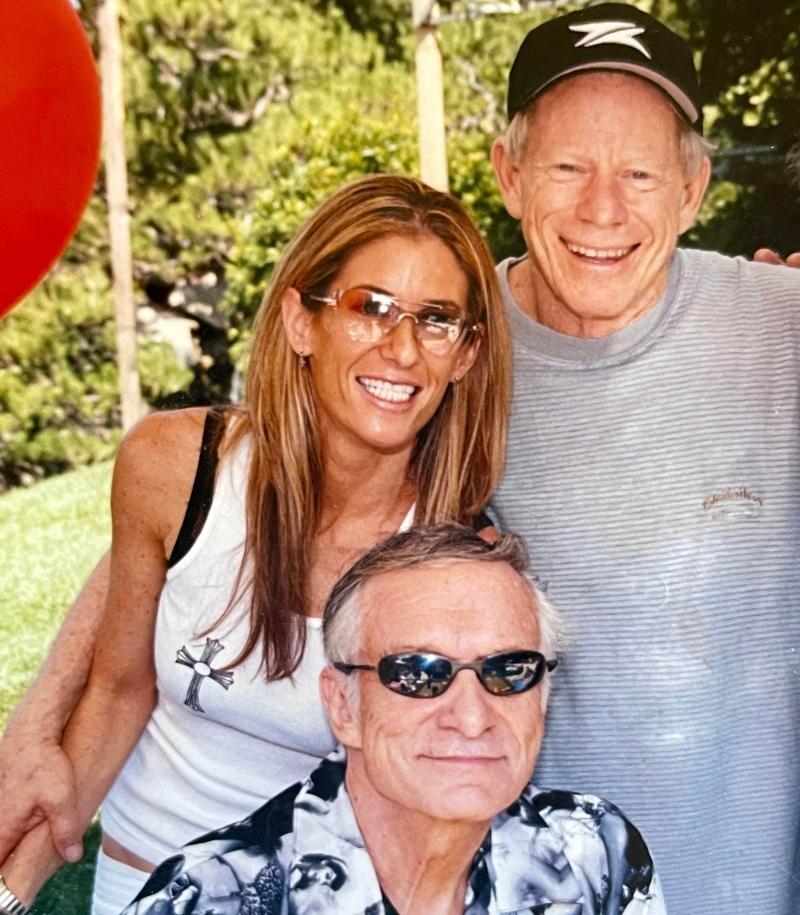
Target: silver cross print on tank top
(202, 669)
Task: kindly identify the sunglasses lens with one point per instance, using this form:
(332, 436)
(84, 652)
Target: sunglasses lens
(418, 674)
(366, 303)
(376, 313)
(368, 314)
(512, 672)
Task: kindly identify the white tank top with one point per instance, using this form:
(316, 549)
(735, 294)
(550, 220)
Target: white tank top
(219, 742)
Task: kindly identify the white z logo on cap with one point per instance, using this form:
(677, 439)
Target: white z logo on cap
(610, 33)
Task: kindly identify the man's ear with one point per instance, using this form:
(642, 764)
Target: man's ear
(507, 174)
(298, 322)
(340, 698)
(693, 193)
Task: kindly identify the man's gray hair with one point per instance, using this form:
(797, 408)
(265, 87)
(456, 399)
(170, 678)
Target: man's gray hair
(693, 146)
(445, 542)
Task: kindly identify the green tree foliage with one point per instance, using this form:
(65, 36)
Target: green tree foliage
(388, 21)
(749, 65)
(243, 115)
(58, 377)
(477, 55)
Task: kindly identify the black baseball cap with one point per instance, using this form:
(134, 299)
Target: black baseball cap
(609, 36)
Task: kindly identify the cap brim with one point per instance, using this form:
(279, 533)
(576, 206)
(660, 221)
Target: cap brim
(680, 98)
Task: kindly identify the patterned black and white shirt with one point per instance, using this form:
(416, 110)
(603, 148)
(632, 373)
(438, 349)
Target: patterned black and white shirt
(550, 853)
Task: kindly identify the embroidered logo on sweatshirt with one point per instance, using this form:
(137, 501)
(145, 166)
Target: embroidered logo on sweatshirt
(733, 503)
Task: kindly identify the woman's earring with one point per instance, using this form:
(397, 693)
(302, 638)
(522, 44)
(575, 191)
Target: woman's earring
(301, 358)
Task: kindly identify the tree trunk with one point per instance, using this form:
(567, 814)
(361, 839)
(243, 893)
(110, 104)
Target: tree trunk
(430, 98)
(118, 215)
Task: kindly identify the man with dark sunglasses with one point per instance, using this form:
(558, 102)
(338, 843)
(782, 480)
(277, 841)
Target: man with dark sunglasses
(441, 651)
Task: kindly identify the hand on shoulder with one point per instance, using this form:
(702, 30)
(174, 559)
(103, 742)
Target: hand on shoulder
(767, 256)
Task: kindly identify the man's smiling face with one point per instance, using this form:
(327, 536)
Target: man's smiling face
(601, 194)
(466, 754)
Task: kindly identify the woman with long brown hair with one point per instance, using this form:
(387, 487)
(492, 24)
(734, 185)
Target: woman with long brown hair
(377, 394)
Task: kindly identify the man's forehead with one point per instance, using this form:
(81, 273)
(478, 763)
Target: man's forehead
(454, 577)
(595, 82)
(448, 602)
(632, 111)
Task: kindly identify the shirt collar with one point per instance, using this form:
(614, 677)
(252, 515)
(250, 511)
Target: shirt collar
(328, 850)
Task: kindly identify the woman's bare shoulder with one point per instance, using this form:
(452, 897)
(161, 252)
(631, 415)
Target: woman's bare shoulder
(174, 433)
(156, 465)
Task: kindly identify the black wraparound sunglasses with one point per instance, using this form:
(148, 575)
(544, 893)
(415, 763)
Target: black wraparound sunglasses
(424, 675)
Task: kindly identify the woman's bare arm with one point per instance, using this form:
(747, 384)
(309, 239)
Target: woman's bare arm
(152, 481)
(36, 781)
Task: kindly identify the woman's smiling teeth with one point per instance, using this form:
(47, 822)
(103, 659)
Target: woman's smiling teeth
(599, 253)
(385, 390)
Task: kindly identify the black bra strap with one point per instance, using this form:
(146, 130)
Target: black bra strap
(482, 520)
(203, 486)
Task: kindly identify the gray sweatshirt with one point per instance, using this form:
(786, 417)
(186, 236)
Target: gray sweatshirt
(656, 476)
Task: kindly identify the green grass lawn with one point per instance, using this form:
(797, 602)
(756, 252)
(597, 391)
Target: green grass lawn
(51, 534)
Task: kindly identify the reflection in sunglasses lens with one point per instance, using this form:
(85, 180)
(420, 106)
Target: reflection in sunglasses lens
(510, 673)
(426, 675)
(415, 674)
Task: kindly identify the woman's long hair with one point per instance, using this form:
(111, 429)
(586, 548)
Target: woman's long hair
(459, 454)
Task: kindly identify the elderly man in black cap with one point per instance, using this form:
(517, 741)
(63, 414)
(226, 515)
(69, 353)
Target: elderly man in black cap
(654, 463)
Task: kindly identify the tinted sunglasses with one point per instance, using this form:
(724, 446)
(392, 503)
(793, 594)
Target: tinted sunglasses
(371, 315)
(424, 675)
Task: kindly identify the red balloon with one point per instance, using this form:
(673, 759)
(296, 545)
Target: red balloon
(50, 125)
